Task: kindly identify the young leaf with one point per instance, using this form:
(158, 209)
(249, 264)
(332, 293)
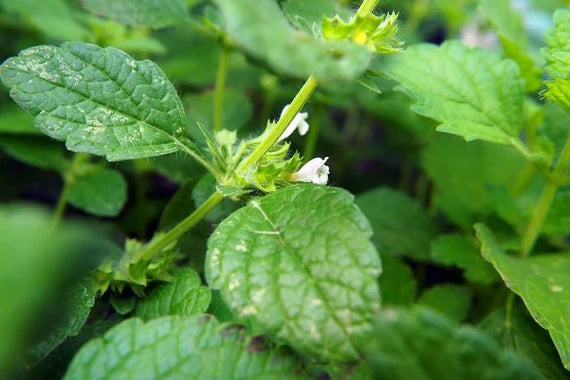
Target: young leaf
(461, 250)
(299, 264)
(543, 284)
(151, 13)
(508, 24)
(184, 296)
(471, 92)
(452, 301)
(179, 347)
(100, 101)
(100, 191)
(421, 344)
(558, 60)
(401, 226)
(286, 49)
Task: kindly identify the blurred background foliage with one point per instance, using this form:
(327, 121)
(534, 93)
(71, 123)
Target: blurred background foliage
(434, 186)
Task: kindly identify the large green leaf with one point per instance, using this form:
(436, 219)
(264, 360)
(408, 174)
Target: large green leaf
(527, 339)
(471, 92)
(152, 13)
(421, 345)
(80, 299)
(184, 296)
(39, 151)
(542, 282)
(53, 18)
(100, 191)
(299, 264)
(285, 49)
(462, 251)
(508, 24)
(194, 347)
(401, 226)
(558, 60)
(100, 101)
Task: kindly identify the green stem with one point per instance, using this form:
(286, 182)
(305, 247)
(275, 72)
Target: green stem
(541, 211)
(68, 180)
(366, 8)
(298, 102)
(179, 230)
(220, 87)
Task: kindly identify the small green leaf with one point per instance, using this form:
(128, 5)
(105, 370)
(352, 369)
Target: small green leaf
(471, 92)
(14, 120)
(543, 284)
(462, 251)
(151, 13)
(399, 287)
(203, 190)
(184, 296)
(80, 299)
(178, 167)
(180, 347)
(453, 301)
(420, 344)
(508, 24)
(558, 60)
(308, 15)
(100, 101)
(299, 264)
(558, 219)
(401, 226)
(285, 49)
(100, 191)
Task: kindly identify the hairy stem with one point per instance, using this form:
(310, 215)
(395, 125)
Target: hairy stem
(68, 180)
(188, 222)
(366, 7)
(220, 87)
(541, 211)
(298, 102)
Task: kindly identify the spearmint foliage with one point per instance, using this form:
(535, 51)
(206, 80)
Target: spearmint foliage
(284, 189)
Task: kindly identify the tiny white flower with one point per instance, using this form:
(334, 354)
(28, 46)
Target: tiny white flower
(297, 123)
(314, 171)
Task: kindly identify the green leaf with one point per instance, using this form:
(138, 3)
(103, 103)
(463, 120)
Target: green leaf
(308, 15)
(184, 296)
(462, 251)
(471, 92)
(100, 101)
(299, 264)
(151, 13)
(236, 111)
(14, 120)
(452, 301)
(558, 60)
(508, 24)
(53, 18)
(527, 339)
(178, 167)
(285, 49)
(100, 191)
(80, 299)
(465, 174)
(420, 344)
(401, 226)
(38, 151)
(543, 284)
(180, 347)
(203, 190)
(558, 219)
(397, 282)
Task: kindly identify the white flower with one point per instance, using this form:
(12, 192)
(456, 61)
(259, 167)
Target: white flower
(313, 171)
(297, 123)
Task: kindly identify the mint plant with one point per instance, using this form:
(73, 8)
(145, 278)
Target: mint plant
(232, 245)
